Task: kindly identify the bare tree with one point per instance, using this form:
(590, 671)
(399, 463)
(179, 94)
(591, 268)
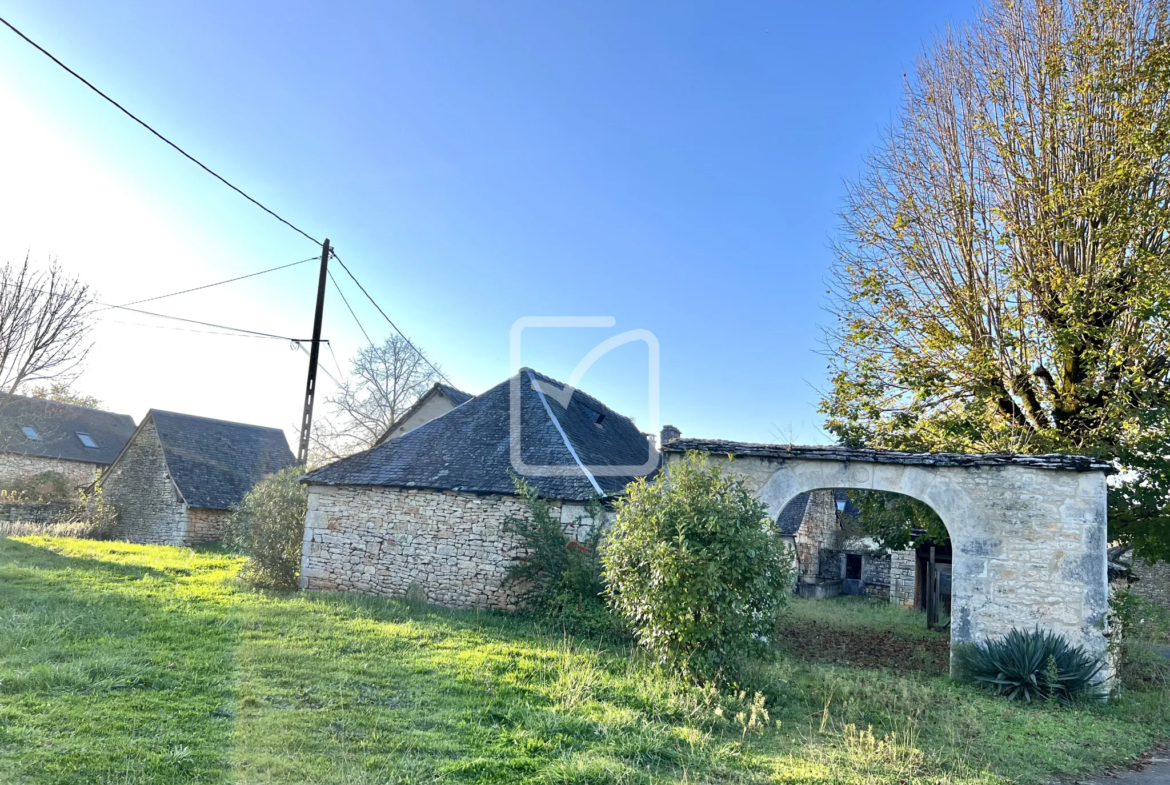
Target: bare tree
(384, 382)
(44, 325)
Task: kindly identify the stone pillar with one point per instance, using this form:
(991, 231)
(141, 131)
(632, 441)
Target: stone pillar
(903, 574)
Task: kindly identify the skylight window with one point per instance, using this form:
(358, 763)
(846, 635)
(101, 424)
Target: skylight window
(30, 433)
(86, 439)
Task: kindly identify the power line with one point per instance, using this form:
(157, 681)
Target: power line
(189, 330)
(329, 346)
(183, 152)
(337, 286)
(323, 370)
(208, 286)
(212, 324)
(235, 188)
(176, 318)
(389, 320)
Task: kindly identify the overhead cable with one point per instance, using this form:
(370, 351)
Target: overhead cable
(209, 285)
(145, 125)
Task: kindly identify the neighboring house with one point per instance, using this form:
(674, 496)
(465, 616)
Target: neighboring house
(38, 436)
(425, 512)
(437, 401)
(178, 477)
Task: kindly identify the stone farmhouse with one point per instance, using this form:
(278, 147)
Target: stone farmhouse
(424, 512)
(40, 436)
(831, 561)
(437, 401)
(179, 475)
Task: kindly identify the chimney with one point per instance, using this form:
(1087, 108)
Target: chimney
(669, 433)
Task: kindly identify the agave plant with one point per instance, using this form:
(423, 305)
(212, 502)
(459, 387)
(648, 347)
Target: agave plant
(1036, 665)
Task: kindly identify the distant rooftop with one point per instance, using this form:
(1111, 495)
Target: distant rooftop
(49, 429)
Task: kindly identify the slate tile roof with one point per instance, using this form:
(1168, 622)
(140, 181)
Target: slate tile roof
(1076, 463)
(57, 425)
(215, 462)
(792, 515)
(469, 447)
(457, 397)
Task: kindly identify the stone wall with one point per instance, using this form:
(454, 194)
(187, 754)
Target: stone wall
(40, 512)
(819, 532)
(450, 547)
(903, 577)
(1029, 541)
(204, 525)
(437, 406)
(1153, 581)
(15, 469)
(150, 509)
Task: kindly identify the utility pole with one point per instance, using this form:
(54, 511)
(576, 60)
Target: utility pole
(314, 351)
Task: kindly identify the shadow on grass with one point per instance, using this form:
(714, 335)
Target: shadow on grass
(34, 557)
(107, 675)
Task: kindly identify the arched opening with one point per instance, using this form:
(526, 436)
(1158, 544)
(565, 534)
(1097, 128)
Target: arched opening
(873, 559)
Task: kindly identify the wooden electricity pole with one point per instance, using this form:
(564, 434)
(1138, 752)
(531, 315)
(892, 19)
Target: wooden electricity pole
(314, 352)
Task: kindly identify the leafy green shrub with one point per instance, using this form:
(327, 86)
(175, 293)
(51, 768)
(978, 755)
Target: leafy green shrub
(559, 578)
(1032, 666)
(268, 526)
(696, 568)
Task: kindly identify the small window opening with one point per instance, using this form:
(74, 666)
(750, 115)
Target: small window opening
(86, 439)
(853, 566)
(593, 415)
(30, 433)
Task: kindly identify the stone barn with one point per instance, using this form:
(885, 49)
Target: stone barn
(1027, 532)
(179, 475)
(46, 436)
(424, 512)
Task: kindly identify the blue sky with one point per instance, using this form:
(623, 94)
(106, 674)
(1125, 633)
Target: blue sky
(675, 166)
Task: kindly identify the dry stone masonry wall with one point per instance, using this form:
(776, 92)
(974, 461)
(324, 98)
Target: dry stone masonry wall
(204, 525)
(449, 547)
(139, 486)
(1153, 581)
(14, 469)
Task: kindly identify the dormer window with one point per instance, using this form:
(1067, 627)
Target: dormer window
(593, 415)
(30, 433)
(87, 440)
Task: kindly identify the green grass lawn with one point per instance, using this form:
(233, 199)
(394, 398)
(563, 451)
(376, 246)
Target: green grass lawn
(138, 664)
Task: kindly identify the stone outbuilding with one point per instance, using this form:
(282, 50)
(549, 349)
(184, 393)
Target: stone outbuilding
(832, 558)
(435, 402)
(179, 476)
(38, 436)
(424, 513)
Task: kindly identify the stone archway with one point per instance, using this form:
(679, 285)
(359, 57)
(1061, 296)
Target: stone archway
(1027, 532)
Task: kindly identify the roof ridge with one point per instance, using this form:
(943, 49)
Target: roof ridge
(50, 402)
(601, 406)
(216, 419)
